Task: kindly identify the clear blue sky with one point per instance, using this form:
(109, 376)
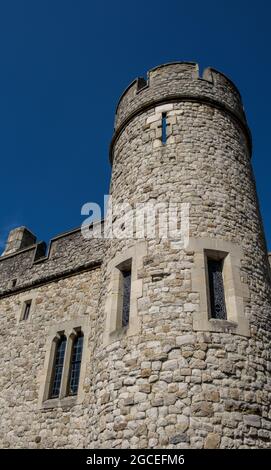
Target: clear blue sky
(64, 64)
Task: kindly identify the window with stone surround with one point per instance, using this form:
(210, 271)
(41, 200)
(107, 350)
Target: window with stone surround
(64, 366)
(124, 290)
(26, 307)
(161, 121)
(222, 294)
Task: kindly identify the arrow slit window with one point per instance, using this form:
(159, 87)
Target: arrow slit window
(125, 291)
(164, 128)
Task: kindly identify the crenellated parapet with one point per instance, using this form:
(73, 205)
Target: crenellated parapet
(179, 81)
(26, 263)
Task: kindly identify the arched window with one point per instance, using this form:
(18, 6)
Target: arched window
(75, 365)
(58, 367)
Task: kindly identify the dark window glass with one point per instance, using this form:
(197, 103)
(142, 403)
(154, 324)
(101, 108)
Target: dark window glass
(216, 288)
(164, 128)
(58, 367)
(27, 307)
(126, 297)
(75, 364)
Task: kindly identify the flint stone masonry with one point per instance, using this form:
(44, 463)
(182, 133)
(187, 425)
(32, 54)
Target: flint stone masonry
(167, 380)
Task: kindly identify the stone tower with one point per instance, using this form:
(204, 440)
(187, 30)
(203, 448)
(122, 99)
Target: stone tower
(171, 333)
(191, 367)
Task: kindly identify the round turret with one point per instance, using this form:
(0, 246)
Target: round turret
(179, 82)
(184, 325)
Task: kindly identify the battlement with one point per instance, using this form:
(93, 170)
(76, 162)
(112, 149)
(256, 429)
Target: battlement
(18, 239)
(179, 81)
(26, 263)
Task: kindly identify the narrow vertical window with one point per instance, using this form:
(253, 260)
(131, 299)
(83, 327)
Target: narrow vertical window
(58, 367)
(164, 128)
(216, 289)
(26, 310)
(76, 358)
(126, 296)
(124, 292)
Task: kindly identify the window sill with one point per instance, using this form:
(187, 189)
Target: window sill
(222, 325)
(66, 402)
(214, 325)
(119, 333)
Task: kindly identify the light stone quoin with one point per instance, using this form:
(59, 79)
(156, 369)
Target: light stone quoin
(175, 375)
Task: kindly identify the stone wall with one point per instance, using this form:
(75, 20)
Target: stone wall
(64, 286)
(24, 344)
